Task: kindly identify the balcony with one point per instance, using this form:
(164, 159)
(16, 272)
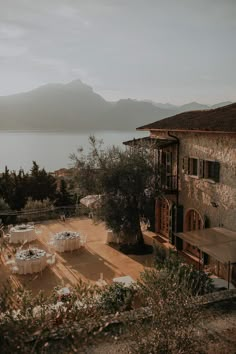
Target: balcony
(169, 184)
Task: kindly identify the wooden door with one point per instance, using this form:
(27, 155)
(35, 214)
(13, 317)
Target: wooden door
(193, 222)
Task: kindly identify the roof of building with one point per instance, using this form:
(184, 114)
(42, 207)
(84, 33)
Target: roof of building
(150, 142)
(221, 119)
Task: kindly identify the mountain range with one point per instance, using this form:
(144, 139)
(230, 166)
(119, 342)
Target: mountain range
(75, 107)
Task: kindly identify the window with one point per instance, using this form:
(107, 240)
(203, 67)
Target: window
(202, 168)
(212, 170)
(193, 167)
(167, 179)
(190, 166)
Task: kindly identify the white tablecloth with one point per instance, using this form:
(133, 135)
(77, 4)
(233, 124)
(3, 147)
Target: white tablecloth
(69, 244)
(30, 266)
(18, 236)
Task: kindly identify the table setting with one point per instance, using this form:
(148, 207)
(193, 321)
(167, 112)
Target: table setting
(66, 241)
(31, 260)
(22, 233)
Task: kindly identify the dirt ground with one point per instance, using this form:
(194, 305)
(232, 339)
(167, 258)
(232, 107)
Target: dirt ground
(87, 264)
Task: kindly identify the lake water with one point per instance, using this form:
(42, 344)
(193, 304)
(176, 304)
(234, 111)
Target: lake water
(50, 150)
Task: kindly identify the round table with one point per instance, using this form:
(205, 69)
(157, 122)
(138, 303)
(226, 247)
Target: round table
(66, 241)
(31, 261)
(22, 234)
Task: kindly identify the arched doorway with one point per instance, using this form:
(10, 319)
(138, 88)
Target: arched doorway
(193, 221)
(163, 217)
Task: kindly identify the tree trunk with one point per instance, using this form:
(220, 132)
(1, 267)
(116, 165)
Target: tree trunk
(137, 228)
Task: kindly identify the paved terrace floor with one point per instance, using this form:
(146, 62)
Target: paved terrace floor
(86, 264)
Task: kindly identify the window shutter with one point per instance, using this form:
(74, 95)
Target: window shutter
(179, 221)
(200, 168)
(205, 171)
(179, 218)
(205, 258)
(186, 165)
(179, 244)
(216, 171)
(171, 235)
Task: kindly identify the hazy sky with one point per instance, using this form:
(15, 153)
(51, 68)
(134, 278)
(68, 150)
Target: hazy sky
(164, 50)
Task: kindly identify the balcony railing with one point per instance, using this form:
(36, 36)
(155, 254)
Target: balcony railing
(169, 183)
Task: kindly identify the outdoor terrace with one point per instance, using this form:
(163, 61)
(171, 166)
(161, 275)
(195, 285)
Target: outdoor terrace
(84, 264)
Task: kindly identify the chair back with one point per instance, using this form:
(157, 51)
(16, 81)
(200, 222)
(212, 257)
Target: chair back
(52, 260)
(9, 227)
(14, 269)
(83, 239)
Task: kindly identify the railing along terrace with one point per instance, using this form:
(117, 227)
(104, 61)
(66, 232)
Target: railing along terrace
(169, 183)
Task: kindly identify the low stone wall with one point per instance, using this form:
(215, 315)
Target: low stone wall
(218, 296)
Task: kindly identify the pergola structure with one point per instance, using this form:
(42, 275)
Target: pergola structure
(217, 242)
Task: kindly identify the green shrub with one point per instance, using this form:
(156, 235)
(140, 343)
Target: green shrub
(161, 254)
(172, 320)
(117, 297)
(185, 275)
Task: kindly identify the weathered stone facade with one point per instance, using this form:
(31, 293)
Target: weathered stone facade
(214, 201)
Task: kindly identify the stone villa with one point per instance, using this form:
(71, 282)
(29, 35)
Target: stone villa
(196, 211)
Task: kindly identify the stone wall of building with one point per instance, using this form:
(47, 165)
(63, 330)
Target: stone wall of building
(199, 193)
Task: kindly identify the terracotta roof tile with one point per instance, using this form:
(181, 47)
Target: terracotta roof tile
(221, 119)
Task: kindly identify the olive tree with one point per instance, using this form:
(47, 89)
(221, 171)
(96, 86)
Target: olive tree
(126, 179)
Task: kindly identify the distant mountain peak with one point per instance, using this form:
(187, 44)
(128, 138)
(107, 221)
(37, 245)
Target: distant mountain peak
(78, 84)
(74, 85)
(195, 103)
(74, 106)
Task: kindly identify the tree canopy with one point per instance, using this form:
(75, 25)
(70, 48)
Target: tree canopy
(38, 185)
(126, 179)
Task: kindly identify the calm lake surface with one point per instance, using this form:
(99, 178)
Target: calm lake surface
(50, 150)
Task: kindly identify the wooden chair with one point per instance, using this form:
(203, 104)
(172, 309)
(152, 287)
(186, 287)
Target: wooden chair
(51, 260)
(15, 269)
(9, 227)
(83, 240)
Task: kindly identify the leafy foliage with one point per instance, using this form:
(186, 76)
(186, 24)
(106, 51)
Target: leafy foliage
(63, 197)
(3, 205)
(126, 179)
(17, 189)
(37, 210)
(117, 297)
(173, 317)
(37, 204)
(42, 184)
(184, 275)
(49, 323)
(13, 188)
(33, 323)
